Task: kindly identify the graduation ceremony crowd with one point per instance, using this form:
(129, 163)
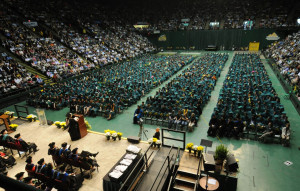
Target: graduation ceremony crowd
(111, 89)
(181, 101)
(286, 55)
(248, 103)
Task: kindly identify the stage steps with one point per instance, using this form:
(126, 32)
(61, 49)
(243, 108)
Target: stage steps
(186, 176)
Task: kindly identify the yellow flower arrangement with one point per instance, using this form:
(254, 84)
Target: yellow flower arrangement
(87, 124)
(107, 130)
(112, 132)
(154, 140)
(57, 123)
(29, 116)
(63, 124)
(120, 134)
(13, 126)
(200, 148)
(189, 145)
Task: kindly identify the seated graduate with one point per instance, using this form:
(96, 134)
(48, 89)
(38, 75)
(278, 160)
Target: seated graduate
(53, 150)
(138, 113)
(64, 150)
(20, 176)
(41, 164)
(27, 145)
(48, 170)
(75, 181)
(84, 157)
(192, 122)
(285, 135)
(29, 166)
(28, 180)
(4, 137)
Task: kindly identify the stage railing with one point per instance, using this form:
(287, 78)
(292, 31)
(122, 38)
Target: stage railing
(174, 174)
(145, 165)
(198, 173)
(20, 111)
(174, 139)
(168, 167)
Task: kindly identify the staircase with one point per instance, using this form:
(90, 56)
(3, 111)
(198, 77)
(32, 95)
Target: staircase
(185, 181)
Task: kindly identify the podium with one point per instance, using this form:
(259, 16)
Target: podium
(5, 119)
(81, 125)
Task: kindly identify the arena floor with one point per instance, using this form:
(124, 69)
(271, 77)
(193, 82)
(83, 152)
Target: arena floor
(261, 165)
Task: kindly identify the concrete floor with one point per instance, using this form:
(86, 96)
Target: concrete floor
(261, 165)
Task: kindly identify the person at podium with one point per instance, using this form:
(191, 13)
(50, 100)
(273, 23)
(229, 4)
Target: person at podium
(74, 128)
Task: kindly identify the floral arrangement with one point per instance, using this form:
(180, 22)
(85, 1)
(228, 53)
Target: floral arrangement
(87, 125)
(113, 133)
(154, 140)
(200, 148)
(189, 145)
(63, 124)
(195, 147)
(107, 130)
(158, 142)
(13, 126)
(120, 134)
(9, 112)
(31, 117)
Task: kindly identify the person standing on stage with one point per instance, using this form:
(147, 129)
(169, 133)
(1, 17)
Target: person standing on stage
(74, 128)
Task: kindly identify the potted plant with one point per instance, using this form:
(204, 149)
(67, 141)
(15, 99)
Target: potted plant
(221, 154)
(10, 113)
(119, 135)
(158, 143)
(189, 146)
(13, 127)
(200, 150)
(107, 134)
(57, 123)
(63, 125)
(31, 117)
(114, 135)
(89, 127)
(195, 149)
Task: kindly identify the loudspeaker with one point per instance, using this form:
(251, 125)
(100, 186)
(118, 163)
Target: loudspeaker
(49, 122)
(133, 139)
(231, 163)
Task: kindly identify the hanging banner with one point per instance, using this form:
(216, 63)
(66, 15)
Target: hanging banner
(253, 46)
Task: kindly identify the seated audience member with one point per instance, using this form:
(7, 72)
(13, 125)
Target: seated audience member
(138, 113)
(84, 157)
(157, 134)
(213, 126)
(268, 132)
(4, 137)
(41, 164)
(29, 166)
(177, 120)
(20, 176)
(285, 135)
(171, 119)
(26, 145)
(53, 150)
(64, 150)
(75, 181)
(8, 160)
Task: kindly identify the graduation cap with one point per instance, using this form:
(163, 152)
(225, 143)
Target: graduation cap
(3, 131)
(51, 145)
(27, 179)
(19, 175)
(64, 144)
(74, 150)
(17, 135)
(41, 161)
(29, 159)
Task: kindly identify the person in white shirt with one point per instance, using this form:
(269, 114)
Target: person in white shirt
(285, 135)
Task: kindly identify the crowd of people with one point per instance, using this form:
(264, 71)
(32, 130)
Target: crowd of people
(109, 90)
(14, 77)
(247, 88)
(181, 101)
(286, 55)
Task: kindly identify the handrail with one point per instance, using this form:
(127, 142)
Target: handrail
(165, 172)
(124, 183)
(198, 175)
(162, 167)
(139, 171)
(173, 172)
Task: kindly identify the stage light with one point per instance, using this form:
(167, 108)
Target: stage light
(298, 21)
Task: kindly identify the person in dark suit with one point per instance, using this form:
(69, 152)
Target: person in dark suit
(26, 145)
(64, 151)
(4, 137)
(74, 128)
(53, 150)
(157, 134)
